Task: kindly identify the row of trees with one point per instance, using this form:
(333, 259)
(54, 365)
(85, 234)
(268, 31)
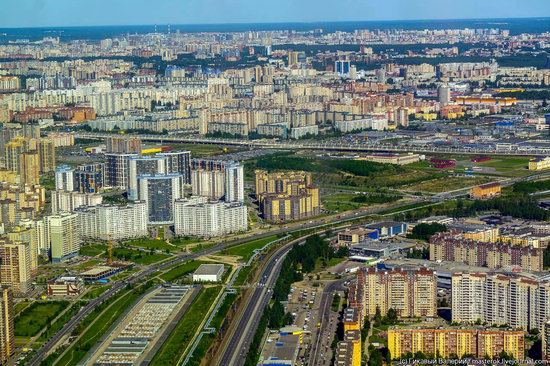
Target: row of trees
(299, 260)
(424, 231)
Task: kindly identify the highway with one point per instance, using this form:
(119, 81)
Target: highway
(324, 319)
(237, 348)
(328, 145)
(51, 344)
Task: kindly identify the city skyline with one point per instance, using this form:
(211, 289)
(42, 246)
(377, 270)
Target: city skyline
(63, 13)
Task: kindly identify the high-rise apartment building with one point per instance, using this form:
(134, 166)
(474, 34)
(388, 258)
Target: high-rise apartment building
(89, 178)
(46, 152)
(159, 191)
(13, 151)
(143, 165)
(123, 145)
(411, 293)
(284, 196)
(114, 222)
(456, 343)
(178, 162)
(29, 168)
(216, 179)
(518, 302)
(64, 178)
(64, 201)
(116, 170)
(234, 182)
(208, 183)
(63, 235)
(7, 335)
(454, 247)
(15, 266)
(199, 217)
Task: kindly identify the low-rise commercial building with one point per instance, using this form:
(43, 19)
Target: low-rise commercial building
(208, 273)
(65, 286)
(486, 191)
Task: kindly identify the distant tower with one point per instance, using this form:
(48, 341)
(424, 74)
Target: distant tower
(168, 28)
(381, 75)
(444, 95)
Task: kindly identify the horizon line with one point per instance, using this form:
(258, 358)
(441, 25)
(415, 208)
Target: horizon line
(273, 22)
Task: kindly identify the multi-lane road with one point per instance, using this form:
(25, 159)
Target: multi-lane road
(328, 145)
(324, 323)
(236, 350)
(53, 342)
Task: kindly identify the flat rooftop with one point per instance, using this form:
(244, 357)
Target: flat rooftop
(209, 269)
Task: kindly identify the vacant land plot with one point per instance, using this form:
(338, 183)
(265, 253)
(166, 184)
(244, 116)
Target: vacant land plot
(448, 184)
(93, 250)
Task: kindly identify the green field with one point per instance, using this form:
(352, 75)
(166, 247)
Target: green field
(174, 347)
(35, 317)
(448, 184)
(93, 250)
(95, 291)
(246, 250)
(340, 202)
(138, 256)
(405, 207)
(201, 246)
(217, 322)
(181, 270)
(184, 241)
(152, 244)
(20, 306)
(60, 322)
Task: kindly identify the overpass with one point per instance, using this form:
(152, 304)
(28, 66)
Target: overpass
(329, 145)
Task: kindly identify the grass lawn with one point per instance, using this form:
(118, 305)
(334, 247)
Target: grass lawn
(185, 241)
(320, 265)
(403, 208)
(152, 244)
(20, 306)
(93, 250)
(243, 275)
(449, 184)
(247, 249)
(95, 291)
(201, 246)
(340, 202)
(176, 344)
(60, 322)
(181, 270)
(88, 264)
(35, 317)
(137, 256)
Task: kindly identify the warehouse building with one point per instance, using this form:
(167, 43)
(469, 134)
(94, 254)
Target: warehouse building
(208, 273)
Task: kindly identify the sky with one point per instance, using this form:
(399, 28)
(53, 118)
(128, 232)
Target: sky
(55, 13)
